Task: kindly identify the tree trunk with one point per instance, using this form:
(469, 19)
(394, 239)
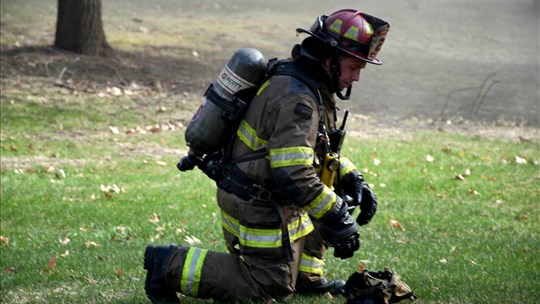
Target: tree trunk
(79, 28)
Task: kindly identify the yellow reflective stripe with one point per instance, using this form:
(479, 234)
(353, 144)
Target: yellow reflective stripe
(352, 33)
(230, 224)
(266, 238)
(260, 238)
(346, 166)
(291, 156)
(191, 273)
(248, 136)
(300, 228)
(311, 264)
(263, 86)
(251, 237)
(336, 26)
(322, 203)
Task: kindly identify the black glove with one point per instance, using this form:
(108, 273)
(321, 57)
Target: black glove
(340, 230)
(368, 205)
(354, 185)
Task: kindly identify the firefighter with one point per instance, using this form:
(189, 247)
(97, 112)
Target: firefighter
(278, 216)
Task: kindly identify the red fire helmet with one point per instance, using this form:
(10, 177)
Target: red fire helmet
(353, 32)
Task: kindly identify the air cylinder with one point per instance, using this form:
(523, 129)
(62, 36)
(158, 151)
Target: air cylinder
(219, 108)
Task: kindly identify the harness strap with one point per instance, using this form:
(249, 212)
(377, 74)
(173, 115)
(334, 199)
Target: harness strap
(237, 182)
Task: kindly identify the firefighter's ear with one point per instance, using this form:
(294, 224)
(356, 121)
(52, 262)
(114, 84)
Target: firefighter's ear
(326, 64)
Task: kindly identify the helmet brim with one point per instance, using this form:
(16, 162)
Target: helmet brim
(374, 61)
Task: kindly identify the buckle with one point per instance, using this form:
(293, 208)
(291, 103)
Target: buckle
(258, 191)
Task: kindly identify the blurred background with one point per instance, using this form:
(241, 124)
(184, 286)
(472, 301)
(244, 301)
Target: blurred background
(444, 60)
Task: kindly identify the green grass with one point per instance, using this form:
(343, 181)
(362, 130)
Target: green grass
(468, 240)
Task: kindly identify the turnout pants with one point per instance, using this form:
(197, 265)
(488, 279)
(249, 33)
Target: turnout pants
(255, 268)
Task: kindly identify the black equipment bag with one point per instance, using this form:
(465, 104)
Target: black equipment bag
(377, 287)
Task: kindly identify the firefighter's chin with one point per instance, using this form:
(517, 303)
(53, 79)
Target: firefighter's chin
(344, 86)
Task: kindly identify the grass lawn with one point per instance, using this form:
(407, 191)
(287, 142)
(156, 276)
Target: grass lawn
(458, 214)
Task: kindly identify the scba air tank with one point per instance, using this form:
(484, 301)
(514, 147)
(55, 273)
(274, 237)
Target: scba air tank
(220, 108)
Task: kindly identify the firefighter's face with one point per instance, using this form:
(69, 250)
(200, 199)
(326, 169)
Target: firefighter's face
(350, 68)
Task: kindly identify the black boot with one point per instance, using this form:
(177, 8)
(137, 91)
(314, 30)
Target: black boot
(319, 287)
(156, 259)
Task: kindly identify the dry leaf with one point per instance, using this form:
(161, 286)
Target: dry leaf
(114, 130)
(162, 109)
(474, 192)
(396, 224)
(460, 177)
(521, 161)
(91, 244)
(4, 240)
(65, 241)
(52, 263)
(154, 218)
(119, 272)
(191, 240)
(65, 254)
(328, 296)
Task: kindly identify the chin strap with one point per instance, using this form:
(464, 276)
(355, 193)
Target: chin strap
(347, 94)
(336, 72)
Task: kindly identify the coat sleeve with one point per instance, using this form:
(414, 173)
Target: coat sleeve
(291, 154)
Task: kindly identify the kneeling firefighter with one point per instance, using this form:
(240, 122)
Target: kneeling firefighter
(280, 208)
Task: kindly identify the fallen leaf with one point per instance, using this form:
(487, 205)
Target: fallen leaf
(376, 162)
(52, 263)
(460, 177)
(396, 224)
(114, 130)
(119, 272)
(429, 158)
(65, 254)
(467, 172)
(154, 218)
(474, 192)
(520, 160)
(162, 109)
(91, 244)
(4, 240)
(328, 296)
(65, 241)
(191, 240)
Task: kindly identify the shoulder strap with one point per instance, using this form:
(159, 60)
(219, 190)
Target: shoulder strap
(286, 67)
